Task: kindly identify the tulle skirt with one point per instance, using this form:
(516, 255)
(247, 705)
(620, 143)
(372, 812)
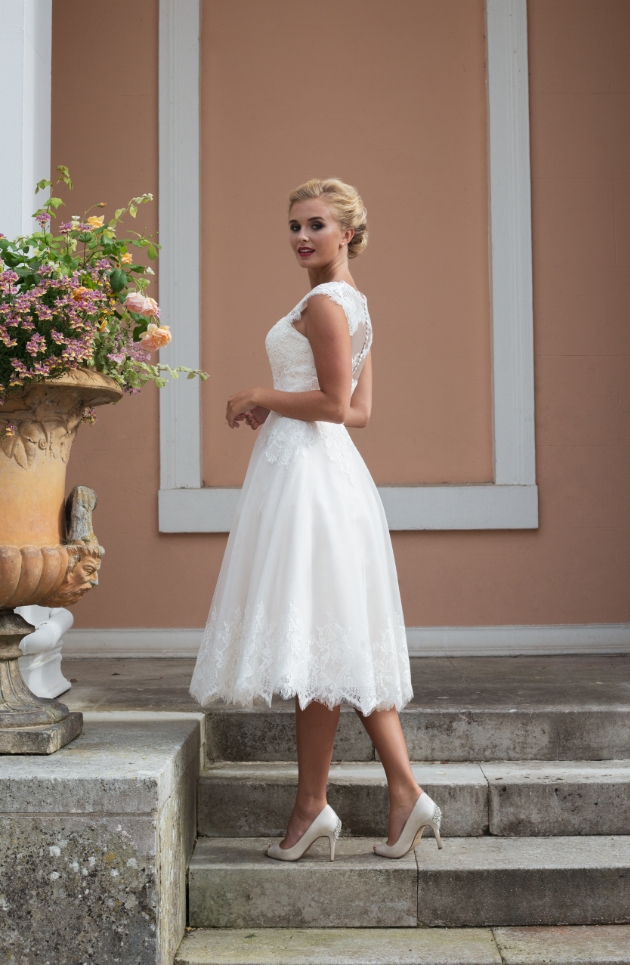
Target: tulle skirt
(307, 601)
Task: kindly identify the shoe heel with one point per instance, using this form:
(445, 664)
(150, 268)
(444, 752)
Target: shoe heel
(332, 839)
(436, 823)
(438, 839)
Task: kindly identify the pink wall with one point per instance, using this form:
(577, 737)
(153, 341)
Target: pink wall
(576, 567)
(406, 122)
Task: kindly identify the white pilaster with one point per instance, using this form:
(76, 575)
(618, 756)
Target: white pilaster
(180, 258)
(25, 88)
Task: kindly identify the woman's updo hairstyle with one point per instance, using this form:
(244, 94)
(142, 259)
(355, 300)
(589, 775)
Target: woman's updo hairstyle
(346, 204)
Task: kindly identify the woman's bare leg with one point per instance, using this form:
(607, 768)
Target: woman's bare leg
(383, 727)
(315, 729)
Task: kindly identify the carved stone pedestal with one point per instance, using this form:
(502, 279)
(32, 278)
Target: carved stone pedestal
(28, 724)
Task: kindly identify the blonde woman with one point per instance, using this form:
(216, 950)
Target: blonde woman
(307, 604)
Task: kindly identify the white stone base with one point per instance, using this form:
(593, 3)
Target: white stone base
(42, 673)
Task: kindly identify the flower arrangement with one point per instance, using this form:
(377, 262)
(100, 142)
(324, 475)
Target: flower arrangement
(75, 297)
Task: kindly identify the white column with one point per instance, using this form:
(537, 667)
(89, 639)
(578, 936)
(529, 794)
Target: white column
(511, 243)
(25, 85)
(179, 199)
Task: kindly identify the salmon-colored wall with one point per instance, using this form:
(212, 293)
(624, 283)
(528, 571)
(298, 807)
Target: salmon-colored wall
(576, 567)
(105, 128)
(391, 97)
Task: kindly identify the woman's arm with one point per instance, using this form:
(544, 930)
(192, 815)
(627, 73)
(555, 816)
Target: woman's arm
(327, 332)
(361, 401)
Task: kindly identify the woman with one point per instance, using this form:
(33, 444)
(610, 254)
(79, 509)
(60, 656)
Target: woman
(307, 602)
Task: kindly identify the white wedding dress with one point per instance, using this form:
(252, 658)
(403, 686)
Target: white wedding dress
(307, 601)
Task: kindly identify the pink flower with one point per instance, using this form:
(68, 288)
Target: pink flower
(137, 302)
(36, 345)
(150, 307)
(155, 337)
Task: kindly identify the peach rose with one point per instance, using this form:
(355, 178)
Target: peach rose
(155, 337)
(126, 259)
(135, 302)
(95, 222)
(150, 307)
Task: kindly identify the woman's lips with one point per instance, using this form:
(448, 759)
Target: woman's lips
(305, 252)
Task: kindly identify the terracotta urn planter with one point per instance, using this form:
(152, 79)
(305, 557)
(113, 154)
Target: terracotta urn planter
(49, 554)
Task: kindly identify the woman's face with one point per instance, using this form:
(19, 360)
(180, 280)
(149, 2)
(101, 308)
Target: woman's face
(315, 234)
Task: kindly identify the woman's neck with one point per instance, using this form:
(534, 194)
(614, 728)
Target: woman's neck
(332, 272)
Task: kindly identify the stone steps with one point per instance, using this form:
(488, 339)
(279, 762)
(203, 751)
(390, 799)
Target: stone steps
(450, 731)
(501, 798)
(595, 945)
(473, 882)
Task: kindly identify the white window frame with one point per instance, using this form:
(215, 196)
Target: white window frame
(511, 501)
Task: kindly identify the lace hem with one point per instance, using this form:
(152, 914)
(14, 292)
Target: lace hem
(252, 657)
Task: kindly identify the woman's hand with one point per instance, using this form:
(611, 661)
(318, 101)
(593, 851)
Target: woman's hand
(244, 407)
(256, 416)
(239, 405)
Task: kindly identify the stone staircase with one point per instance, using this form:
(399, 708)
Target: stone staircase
(536, 804)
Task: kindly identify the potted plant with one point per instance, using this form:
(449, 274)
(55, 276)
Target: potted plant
(77, 330)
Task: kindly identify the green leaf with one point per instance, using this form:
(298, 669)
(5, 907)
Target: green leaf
(191, 375)
(64, 175)
(133, 211)
(54, 202)
(117, 279)
(152, 253)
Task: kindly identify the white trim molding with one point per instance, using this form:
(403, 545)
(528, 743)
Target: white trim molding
(25, 82)
(508, 641)
(511, 500)
(406, 507)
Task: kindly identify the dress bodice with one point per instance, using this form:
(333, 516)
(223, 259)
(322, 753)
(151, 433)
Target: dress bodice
(290, 354)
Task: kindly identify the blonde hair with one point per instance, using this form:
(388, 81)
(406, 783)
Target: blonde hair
(346, 204)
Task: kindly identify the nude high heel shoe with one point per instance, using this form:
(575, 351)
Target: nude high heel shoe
(325, 825)
(425, 813)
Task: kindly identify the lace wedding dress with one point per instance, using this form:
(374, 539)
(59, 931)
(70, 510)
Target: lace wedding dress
(307, 601)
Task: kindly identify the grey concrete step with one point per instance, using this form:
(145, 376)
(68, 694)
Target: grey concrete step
(506, 798)
(450, 731)
(255, 800)
(472, 882)
(595, 945)
(530, 798)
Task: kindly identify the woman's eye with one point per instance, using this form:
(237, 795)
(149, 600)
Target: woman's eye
(317, 225)
(294, 227)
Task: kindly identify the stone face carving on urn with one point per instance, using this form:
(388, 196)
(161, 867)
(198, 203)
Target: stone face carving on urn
(55, 575)
(84, 552)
